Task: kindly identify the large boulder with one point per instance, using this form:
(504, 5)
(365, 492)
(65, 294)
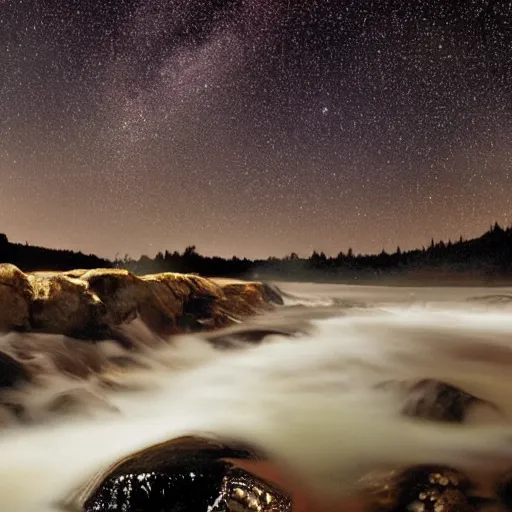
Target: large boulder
(190, 298)
(127, 296)
(92, 304)
(244, 298)
(15, 297)
(120, 291)
(168, 303)
(65, 305)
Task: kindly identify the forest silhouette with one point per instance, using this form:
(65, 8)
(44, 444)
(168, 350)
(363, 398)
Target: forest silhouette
(486, 258)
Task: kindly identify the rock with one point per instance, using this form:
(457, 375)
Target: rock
(92, 304)
(120, 291)
(172, 296)
(62, 313)
(12, 371)
(437, 401)
(183, 473)
(272, 294)
(504, 491)
(15, 297)
(160, 299)
(65, 305)
(244, 298)
(421, 489)
(243, 335)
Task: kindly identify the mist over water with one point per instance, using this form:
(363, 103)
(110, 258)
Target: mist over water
(324, 397)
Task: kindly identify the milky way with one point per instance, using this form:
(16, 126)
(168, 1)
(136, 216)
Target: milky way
(254, 127)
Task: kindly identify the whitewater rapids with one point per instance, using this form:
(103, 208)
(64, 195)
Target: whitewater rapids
(324, 398)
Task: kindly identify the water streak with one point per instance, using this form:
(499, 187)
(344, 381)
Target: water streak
(326, 401)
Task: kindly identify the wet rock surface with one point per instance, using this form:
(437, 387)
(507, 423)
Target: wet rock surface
(423, 489)
(15, 298)
(433, 488)
(90, 304)
(65, 305)
(185, 478)
(437, 401)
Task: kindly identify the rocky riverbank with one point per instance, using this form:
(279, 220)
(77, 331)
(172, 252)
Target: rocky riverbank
(62, 329)
(91, 304)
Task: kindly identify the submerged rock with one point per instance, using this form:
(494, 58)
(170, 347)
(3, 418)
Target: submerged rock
(438, 401)
(12, 371)
(422, 489)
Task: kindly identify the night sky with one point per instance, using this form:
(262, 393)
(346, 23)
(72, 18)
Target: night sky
(254, 127)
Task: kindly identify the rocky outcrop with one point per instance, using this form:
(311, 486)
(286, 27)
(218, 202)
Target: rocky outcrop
(91, 304)
(15, 298)
(66, 331)
(65, 305)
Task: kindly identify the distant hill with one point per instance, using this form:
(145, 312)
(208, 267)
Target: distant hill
(486, 260)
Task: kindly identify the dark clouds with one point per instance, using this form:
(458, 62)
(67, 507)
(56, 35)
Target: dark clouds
(253, 127)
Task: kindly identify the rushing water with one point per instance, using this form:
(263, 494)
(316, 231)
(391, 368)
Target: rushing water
(323, 393)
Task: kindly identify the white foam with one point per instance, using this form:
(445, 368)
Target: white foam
(313, 402)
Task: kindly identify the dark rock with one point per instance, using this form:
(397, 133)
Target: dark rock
(422, 489)
(185, 475)
(12, 371)
(437, 401)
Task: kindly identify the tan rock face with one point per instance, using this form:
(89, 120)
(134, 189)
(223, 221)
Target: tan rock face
(65, 305)
(241, 299)
(161, 300)
(15, 297)
(168, 294)
(120, 291)
(90, 304)
(75, 308)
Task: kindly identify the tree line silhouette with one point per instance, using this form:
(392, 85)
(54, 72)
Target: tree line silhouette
(489, 256)
(31, 258)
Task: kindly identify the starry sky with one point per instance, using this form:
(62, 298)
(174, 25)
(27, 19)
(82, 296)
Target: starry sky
(253, 127)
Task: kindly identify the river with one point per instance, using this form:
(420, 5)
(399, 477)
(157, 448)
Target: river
(323, 392)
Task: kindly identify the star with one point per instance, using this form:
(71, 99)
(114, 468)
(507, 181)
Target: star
(253, 128)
